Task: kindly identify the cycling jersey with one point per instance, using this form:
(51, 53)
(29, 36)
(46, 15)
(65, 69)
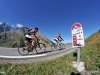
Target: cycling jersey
(57, 36)
(31, 31)
(30, 34)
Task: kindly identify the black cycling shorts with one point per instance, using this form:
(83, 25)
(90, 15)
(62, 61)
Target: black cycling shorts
(28, 39)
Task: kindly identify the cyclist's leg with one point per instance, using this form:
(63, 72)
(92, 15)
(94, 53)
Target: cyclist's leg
(33, 40)
(57, 42)
(29, 40)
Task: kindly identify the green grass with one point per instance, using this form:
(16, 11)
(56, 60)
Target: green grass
(59, 66)
(91, 56)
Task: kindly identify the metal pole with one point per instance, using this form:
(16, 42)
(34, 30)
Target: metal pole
(78, 55)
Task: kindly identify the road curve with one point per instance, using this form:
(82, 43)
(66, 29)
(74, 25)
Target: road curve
(12, 55)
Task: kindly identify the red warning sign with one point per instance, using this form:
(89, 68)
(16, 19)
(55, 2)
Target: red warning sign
(74, 40)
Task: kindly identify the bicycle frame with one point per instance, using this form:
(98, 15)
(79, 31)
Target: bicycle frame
(27, 48)
(60, 42)
(61, 45)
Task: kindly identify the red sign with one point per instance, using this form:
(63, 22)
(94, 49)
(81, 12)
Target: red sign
(74, 40)
(75, 25)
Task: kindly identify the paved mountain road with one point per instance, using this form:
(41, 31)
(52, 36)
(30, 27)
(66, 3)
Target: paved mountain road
(12, 55)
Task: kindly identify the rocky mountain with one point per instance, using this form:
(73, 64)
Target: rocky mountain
(4, 27)
(10, 38)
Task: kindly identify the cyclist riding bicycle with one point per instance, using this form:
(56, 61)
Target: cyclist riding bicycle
(57, 39)
(31, 36)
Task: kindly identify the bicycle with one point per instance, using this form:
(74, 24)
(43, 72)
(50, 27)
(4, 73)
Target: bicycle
(62, 46)
(23, 47)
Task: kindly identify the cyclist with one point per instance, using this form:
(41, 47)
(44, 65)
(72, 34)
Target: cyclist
(31, 37)
(57, 39)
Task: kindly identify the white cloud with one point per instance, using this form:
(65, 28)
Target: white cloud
(0, 22)
(19, 25)
(13, 25)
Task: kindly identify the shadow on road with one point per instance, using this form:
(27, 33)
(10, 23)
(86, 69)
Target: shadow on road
(40, 52)
(44, 52)
(62, 49)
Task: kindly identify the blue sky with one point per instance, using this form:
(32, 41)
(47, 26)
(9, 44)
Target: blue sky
(52, 16)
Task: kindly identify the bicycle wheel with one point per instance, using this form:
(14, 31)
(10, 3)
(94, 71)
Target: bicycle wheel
(52, 47)
(22, 48)
(34, 48)
(41, 46)
(55, 47)
(62, 46)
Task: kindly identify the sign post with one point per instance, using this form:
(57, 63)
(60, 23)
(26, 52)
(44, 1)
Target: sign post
(78, 55)
(77, 39)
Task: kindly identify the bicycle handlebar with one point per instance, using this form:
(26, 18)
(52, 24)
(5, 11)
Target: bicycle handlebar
(61, 40)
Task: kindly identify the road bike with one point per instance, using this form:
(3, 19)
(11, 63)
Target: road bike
(62, 46)
(24, 48)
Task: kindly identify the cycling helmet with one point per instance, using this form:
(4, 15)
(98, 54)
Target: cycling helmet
(36, 29)
(58, 34)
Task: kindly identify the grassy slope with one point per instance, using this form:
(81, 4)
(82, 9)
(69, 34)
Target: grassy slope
(90, 54)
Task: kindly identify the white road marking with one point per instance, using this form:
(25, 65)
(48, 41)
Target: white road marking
(2, 56)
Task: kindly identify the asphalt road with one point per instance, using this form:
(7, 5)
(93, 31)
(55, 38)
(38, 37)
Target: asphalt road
(12, 55)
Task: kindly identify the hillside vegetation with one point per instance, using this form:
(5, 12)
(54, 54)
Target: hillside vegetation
(90, 54)
(94, 40)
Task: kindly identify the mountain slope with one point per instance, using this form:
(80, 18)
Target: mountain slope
(93, 38)
(13, 37)
(4, 27)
